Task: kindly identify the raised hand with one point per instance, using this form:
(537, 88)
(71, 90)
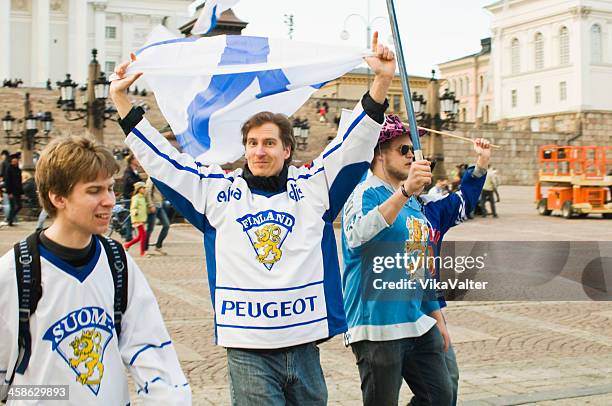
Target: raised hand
(124, 81)
(383, 60)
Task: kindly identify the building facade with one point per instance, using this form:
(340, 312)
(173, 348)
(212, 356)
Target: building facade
(551, 58)
(469, 78)
(45, 39)
(350, 87)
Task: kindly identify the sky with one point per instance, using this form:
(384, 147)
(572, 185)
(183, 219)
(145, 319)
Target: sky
(432, 31)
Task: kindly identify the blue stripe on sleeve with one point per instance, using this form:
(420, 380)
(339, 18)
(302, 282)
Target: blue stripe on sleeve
(146, 347)
(182, 204)
(347, 133)
(177, 165)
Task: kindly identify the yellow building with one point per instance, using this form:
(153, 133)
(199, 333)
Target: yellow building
(345, 91)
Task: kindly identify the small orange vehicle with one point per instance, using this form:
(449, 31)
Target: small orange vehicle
(578, 180)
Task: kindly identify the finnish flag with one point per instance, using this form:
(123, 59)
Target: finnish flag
(207, 87)
(209, 15)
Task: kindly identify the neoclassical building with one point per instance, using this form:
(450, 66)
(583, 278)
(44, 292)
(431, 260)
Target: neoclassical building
(551, 56)
(469, 78)
(549, 66)
(45, 39)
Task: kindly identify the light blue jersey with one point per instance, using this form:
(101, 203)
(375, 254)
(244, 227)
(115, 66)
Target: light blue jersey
(377, 311)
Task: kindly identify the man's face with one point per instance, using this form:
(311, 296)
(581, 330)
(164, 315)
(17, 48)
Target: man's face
(443, 184)
(265, 153)
(88, 207)
(397, 166)
(15, 162)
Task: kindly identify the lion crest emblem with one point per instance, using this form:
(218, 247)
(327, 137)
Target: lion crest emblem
(86, 348)
(267, 230)
(80, 339)
(416, 246)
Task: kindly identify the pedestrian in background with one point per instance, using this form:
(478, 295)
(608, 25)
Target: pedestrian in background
(156, 210)
(14, 189)
(138, 215)
(130, 177)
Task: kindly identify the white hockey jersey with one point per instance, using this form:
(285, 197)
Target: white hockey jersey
(271, 259)
(74, 341)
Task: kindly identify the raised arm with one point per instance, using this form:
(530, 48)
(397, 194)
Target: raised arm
(178, 176)
(452, 209)
(348, 156)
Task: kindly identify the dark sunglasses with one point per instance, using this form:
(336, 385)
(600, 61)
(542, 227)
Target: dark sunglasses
(403, 149)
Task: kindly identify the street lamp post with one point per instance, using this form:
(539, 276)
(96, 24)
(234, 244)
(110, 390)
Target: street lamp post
(28, 137)
(344, 35)
(95, 110)
(429, 115)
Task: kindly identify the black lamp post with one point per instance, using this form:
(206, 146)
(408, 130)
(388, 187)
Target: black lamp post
(430, 116)
(95, 109)
(28, 137)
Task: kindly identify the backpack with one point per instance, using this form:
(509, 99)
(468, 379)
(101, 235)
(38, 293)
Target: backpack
(29, 289)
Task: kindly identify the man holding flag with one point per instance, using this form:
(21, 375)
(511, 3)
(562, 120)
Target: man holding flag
(271, 255)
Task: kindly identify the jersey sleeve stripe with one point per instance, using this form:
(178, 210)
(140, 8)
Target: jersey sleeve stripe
(146, 347)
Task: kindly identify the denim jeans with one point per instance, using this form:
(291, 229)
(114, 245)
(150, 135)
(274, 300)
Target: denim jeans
(277, 377)
(453, 371)
(160, 213)
(418, 360)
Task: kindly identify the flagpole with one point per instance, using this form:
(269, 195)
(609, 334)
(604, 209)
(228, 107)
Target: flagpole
(414, 131)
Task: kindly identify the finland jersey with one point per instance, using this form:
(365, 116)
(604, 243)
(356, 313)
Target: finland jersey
(74, 342)
(271, 259)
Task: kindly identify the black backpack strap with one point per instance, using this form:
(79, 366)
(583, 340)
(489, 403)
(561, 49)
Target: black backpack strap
(117, 261)
(29, 291)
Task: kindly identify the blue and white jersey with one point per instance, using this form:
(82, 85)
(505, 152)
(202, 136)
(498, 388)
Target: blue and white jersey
(271, 259)
(74, 341)
(375, 314)
(446, 213)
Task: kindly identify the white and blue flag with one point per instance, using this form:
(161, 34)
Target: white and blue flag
(207, 87)
(209, 15)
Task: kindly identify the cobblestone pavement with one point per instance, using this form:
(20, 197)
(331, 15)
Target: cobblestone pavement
(509, 353)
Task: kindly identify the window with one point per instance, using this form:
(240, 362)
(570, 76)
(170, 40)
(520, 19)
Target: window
(396, 104)
(537, 94)
(515, 56)
(539, 51)
(481, 84)
(563, 46)
(111, 32)
(467, 87)
(596, 43)
(109, 67)
(460, 88)
(563, 91)
(514, 98)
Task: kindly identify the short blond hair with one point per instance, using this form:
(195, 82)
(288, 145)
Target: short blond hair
(68, 160)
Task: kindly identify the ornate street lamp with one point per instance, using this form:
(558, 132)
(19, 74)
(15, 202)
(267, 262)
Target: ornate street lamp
(94, 107)
(28, 137)
(7, 123)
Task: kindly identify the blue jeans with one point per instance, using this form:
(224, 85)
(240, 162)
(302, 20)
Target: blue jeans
(418, 360)
(453, 371)
(160, 213)
(276, 378)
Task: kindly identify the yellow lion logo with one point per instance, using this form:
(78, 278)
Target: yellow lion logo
(86, 349)
(268, 238)
(417, 244)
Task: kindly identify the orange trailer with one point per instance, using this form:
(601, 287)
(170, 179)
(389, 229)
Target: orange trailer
(577, 180)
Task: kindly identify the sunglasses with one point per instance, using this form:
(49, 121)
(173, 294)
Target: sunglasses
(403, 149)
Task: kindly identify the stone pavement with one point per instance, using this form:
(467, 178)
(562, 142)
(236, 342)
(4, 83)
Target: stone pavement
(509, 353)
